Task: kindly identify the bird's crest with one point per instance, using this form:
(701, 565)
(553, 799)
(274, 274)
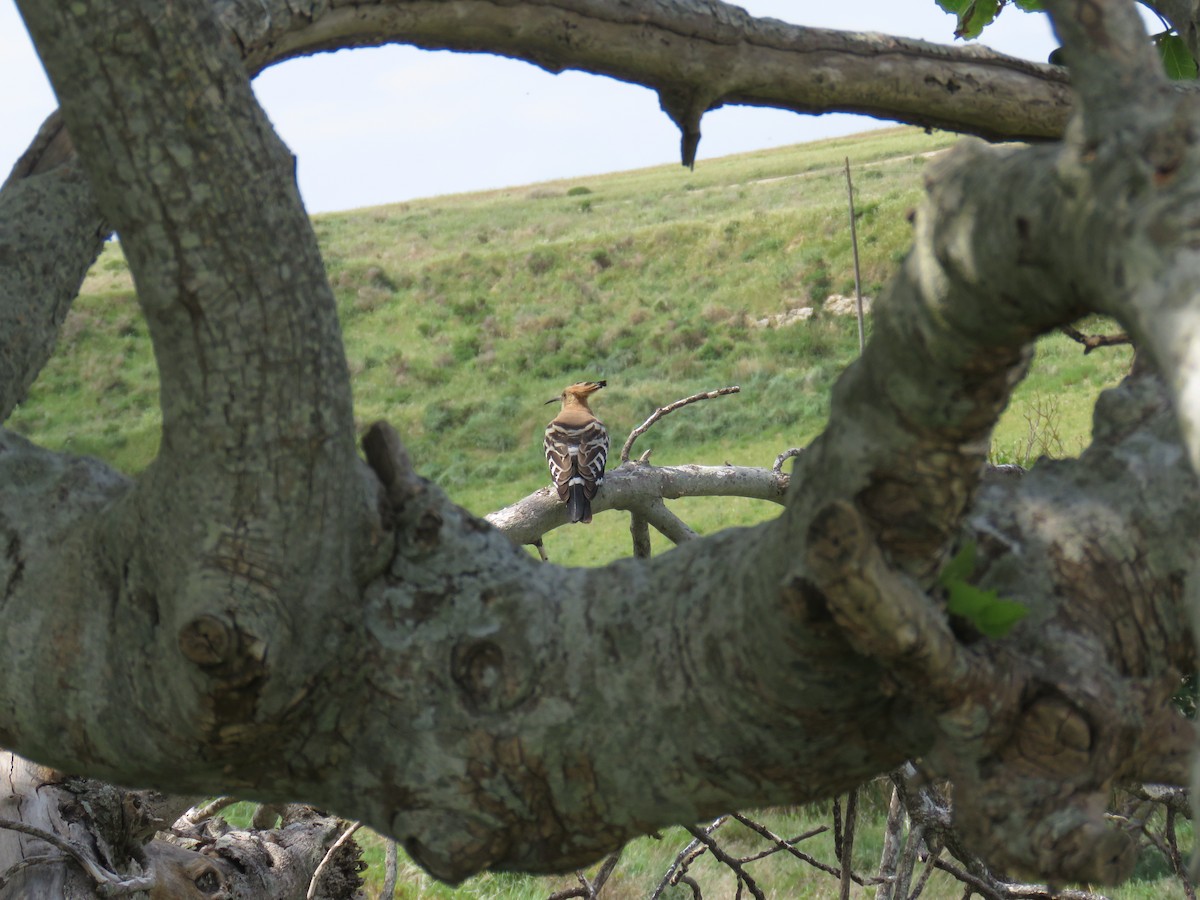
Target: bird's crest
(579, 391)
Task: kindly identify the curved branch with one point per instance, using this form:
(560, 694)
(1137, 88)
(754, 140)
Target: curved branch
(666, 410)
(711, 54)
(784, 457)
(327, 859)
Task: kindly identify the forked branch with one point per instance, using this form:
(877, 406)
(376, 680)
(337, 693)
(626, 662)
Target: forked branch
(669, 408)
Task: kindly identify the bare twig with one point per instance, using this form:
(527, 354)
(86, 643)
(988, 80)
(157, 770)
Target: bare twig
(788, 845)
(664, 410)
(714, 848)
(784, 457)
(1094, 341)
(925, 873)
(862, 339)
(675, 872)
(112, 884)
(324, 864)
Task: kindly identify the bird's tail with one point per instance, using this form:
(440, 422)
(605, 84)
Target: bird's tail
(579, 507)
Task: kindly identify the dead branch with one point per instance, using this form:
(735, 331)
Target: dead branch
(636, 488)
(679, 866)
(785, 845)
(784, 457)
(930, 815)
(973, 883)
(329, 854)
(111, 882)
(664, 410)
(930, 864)
(719, 854)
(1094, 341)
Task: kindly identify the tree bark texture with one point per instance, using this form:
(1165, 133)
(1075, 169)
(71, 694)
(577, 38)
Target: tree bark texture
(262, 613)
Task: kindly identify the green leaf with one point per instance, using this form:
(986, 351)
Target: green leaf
(1000, 617)
(975, 16)
(969, 601)
(954, 6)
(985, 609)
(1175, 56)
(1030, 5)
(960, 567)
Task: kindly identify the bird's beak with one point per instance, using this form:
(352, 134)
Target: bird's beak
(551, 400)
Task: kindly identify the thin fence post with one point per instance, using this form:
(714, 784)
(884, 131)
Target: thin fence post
(862, 339)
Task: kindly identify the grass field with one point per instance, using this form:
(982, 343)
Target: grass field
(462, 315)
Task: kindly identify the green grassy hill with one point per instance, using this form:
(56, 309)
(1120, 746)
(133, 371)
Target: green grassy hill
(463, 315)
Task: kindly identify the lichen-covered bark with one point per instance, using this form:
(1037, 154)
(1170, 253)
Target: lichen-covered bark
(261, 613)
(50, 233)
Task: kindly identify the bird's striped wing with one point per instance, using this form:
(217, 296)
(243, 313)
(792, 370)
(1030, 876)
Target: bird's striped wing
(576, 454)
(593, 454)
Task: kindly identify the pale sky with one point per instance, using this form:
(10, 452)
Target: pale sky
(375, 126)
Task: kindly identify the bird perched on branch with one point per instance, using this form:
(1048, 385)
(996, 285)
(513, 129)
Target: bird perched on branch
(576, 449)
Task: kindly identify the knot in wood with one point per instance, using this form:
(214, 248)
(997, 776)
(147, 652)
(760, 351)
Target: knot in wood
(1054, 737)
(206, 641)
(490, 681)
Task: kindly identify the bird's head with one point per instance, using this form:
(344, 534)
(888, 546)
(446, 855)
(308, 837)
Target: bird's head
(580, 391)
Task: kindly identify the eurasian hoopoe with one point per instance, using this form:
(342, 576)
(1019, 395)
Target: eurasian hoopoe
(576, 449)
